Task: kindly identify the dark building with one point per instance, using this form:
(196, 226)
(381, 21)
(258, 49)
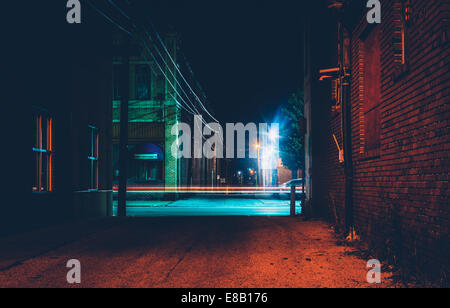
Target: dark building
(69, 175)
(388, 112)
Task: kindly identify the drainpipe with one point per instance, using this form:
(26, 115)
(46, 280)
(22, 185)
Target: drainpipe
(346, 132)
(348, 164)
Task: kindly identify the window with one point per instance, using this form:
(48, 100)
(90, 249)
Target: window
(93, 158)
(143, 82)
(42, 152)
(371, 92)
(405, 16)
(402, 16)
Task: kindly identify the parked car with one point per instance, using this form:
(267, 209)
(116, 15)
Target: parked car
(285, 189)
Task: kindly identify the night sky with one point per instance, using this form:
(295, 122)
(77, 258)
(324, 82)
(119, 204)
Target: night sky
(247, 55)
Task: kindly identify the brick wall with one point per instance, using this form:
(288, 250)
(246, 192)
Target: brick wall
(401, 193)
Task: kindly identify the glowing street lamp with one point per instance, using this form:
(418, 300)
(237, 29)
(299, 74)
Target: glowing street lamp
(273, 135)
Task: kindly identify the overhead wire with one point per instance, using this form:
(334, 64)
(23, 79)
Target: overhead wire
(181, 106)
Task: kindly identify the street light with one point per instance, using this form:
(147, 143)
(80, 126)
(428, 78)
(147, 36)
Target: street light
(273, 135)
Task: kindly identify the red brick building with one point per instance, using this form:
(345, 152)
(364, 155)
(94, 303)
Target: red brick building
(388, 111)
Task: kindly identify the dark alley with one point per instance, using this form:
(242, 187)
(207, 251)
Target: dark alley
(256, 144)
(207, 252)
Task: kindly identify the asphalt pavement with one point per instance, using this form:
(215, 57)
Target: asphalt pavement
(184, 252)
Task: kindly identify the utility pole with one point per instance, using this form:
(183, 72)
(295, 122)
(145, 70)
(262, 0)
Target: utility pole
(123, 156)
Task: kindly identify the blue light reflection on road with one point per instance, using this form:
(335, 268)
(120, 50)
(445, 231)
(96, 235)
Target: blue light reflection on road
(204, 206)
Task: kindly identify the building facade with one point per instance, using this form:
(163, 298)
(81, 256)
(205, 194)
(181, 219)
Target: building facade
(70, 124)
(384, 167)
(163, 93)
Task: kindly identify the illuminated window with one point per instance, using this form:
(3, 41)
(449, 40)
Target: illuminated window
(43, 152)
(93, 158)
(402, 16)
(405, 16)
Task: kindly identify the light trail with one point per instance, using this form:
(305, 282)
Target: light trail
(249, 190)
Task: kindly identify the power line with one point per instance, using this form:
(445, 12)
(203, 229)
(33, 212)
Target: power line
(203, 121)
(158, 51)
(176, 66)
(167, 66)
(189, 110)
(108, 18)
(165, 63)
